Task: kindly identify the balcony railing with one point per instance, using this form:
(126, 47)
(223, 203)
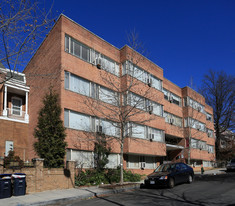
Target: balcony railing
(14, 114)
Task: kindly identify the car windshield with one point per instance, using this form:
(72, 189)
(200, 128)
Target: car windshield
(165, 168)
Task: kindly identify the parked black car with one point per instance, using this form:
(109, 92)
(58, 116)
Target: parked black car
(170, 174)
(231, 165)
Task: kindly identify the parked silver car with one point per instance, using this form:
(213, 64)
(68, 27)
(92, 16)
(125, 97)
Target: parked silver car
(231, 165)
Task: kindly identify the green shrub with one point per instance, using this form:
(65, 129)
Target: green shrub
(97, 177)
(12, 158)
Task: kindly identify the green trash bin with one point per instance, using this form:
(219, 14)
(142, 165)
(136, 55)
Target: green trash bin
(5, 186)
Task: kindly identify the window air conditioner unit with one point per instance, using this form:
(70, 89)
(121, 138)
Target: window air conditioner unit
(199, 109)
(170, 99)
(98, 63)
(198, 127)
(99, 129)
(149, 82)
(150, 109)
(142, 165)
(208, 134)
(171, 121)
(151, 137)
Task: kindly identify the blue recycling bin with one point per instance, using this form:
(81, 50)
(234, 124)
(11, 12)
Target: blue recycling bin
(5, 186)
(19, 184)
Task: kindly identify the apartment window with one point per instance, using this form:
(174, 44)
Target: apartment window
(135, 100)
(155, 134)
(145, 104)
(109, 65)
(210, 149)
(84, 159)
(87, 54)
(194, 104)
(210, 133)
(194, 143)
(138, 131)
(79, 85)
(16, 108)
(141, 75)
(78, 121)
(136, 72)
(209, 117)
(80, 50)
(166, 94)
(172, 119)
(202, 145)
(157, 109)
(108, 96)
(109, 128)
(145, 132)
(190, 122)
(90, 89)
(156, 83)
(75, 120)
(133, 161)
(136, 162)
(171, 97)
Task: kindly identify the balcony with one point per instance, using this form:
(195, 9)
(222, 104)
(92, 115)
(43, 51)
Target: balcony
(14, 115)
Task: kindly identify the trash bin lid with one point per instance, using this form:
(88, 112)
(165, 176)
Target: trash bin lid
(5, 175)
(18, 176)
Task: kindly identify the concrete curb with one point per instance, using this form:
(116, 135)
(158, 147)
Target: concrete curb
(93, 192)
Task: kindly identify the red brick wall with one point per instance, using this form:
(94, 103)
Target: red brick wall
(16, 132)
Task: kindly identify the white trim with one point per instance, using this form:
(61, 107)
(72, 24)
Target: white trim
(5, 101)
(14, 120)
(18, 86)
(26, 106)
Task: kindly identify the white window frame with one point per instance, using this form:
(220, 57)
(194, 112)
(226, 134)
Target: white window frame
(16, 98)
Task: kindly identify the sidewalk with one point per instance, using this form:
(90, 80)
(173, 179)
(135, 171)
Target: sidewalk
(213, 171)
(58, 196)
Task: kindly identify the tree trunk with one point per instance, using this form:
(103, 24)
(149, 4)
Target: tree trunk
(121, 163)
(189, 147)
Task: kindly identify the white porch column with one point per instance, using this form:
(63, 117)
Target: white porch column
(5, 102)
(26, 117)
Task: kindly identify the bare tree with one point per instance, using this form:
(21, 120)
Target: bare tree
(127, 104)
(22, 24)
(219, 91)
(195, 112)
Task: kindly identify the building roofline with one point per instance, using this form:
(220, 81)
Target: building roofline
(63, 15)
(194, 91)
(43, 41)
(171, 82)
(141, 55)
(87, 30)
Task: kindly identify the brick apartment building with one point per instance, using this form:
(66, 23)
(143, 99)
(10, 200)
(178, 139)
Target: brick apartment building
(74, 61)
(14, 117)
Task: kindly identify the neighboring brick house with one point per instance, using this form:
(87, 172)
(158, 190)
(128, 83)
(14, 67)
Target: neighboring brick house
(71, 57)
(14, 117)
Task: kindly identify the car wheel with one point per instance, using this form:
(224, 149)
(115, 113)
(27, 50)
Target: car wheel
(171, 183)
(190, 179)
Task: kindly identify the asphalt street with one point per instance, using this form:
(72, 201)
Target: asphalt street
(215, 190)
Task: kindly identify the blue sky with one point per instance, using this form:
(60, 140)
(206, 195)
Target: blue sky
(184, 37)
